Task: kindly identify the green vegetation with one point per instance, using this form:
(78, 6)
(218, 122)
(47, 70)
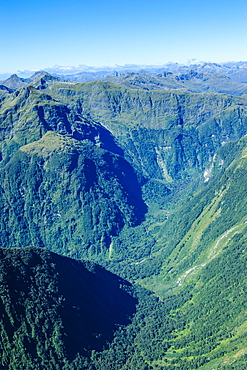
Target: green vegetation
(151, 185)
(67, 194)
(53, 308)
(62, 313)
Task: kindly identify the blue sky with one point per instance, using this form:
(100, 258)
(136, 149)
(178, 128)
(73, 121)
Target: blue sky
(40, 34)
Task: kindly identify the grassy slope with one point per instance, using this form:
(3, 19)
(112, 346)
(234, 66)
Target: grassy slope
(208, 251)
(199, 247)
(202, 247)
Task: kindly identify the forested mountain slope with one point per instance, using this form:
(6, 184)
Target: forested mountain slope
(152, 185)
(206, 222)
(69, 185)
(84, 142)
(53, 308)
(201, 247)
(60, 313)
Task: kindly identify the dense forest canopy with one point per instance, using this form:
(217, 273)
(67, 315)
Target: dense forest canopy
(144, 175)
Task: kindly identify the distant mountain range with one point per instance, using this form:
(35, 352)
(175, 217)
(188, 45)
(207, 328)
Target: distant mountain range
(223, 68)
(207, 77)
(236, 71)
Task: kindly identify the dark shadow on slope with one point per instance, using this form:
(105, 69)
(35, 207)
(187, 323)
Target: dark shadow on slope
(119, 168)
(72, 305)
(62, 120)
(57, 118)
(85, 128)
(96, 302)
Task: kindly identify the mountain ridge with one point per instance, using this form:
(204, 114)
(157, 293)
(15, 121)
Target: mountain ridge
(151, 185)
(229, 77)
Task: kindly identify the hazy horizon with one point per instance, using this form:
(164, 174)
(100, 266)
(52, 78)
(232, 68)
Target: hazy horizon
(40, 35)
(70, 70)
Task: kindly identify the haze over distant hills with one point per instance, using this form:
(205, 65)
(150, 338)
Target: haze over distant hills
(224, 68)
(234, 65)
(230, 78)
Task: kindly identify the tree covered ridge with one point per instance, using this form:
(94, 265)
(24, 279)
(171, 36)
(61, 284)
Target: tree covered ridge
(60, 313)
(150, 184)
(125, 147)
(53, 307)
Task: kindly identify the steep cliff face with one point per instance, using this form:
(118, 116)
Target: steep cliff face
(64, 194)
(165, 135)
(78, 159)
(64, 176)
(27, 114)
